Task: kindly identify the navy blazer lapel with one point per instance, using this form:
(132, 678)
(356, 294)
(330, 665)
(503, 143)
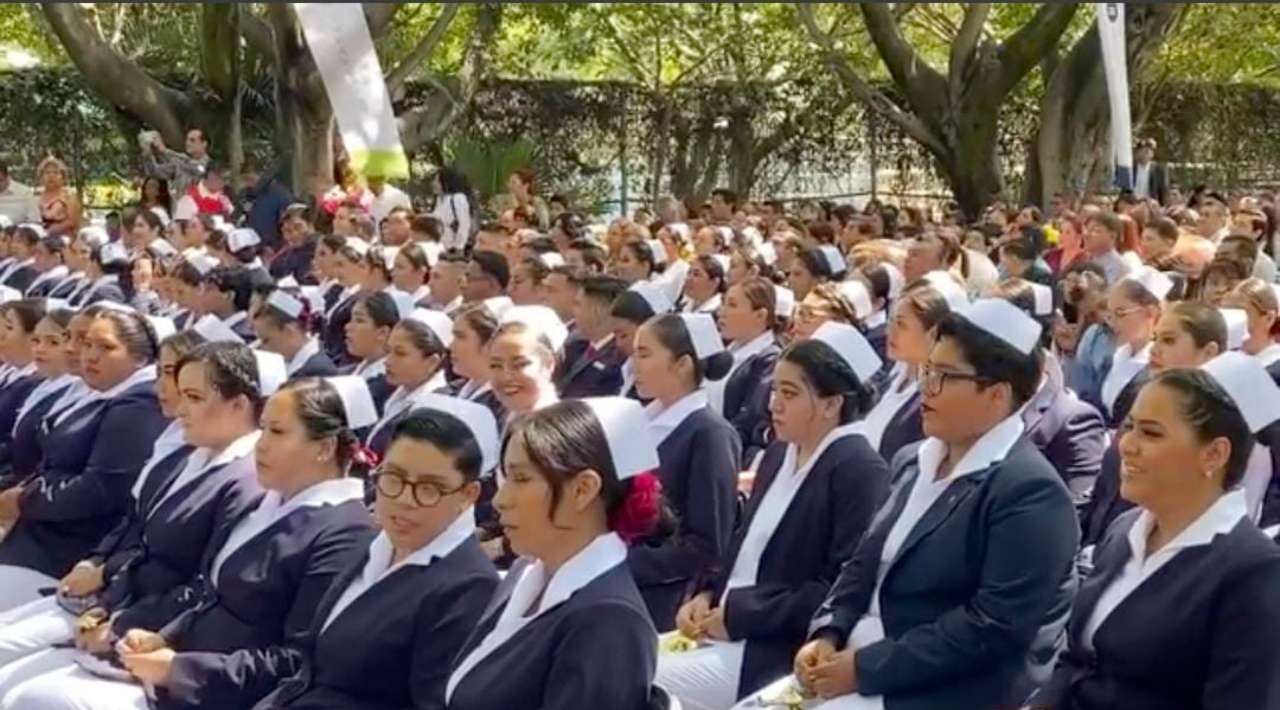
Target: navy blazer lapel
(942, 508)
(1105, 569)
(336, 590)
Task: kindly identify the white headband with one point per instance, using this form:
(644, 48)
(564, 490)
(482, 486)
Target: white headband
(1043, 299)
(627, 432)
(1152, 281)
(437, 322)
(946, 286)
(540, 319)
(1005, 321)
(273, 372)
(163, 327)
(858, 295)
(785, 301)
(242, 238)
(833, 257)
(477, 417)
(654, 296)
(1237, 321)
(704, 334)
(357, 402)
(852, 347)
(659, 252)
(112, 253)
(286, 303)
(213, 330)
(1252, 390)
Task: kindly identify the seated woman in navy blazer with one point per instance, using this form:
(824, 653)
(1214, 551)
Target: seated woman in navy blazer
(1188, 334)
(473, 328)
(632, 309)
(214, 641)
(352, 271)
(107, 267)
(20, 455)
(283, 323)
(958, 591)
(200, 477)
(372, 319)
(815, 492)
(388, 629)
(416, 353)
(894, 422)
(93, 449)
(228, 294)
(1181, 609)
(700, 456)
(1133, 308)
(748, 320)
(18, 321)
(567, 628)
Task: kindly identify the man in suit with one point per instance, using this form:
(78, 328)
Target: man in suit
(1150, 179)
(594, 370)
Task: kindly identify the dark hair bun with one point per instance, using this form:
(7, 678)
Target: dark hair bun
(718, 365)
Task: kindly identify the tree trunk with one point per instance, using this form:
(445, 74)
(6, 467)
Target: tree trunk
(1074, 111)
(305, 117)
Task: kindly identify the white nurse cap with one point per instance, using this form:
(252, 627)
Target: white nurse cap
(704, 334)
(1252, 390)
(1005, 321)
(272, 371)
(626, 430)
(357, 402)
(477, 417)
(852, 347)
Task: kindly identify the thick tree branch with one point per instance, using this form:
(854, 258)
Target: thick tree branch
(425, 47)
(379, 16)
(258, 34)
(863, 91)
(965, 45)
(220, 47)
(121, 82)
(900, 58)
(1024, 50)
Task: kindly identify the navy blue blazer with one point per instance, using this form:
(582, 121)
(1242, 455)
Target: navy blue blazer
(333, 337)
(233, 642)
(11, 398)
(592, 373)
(124, 545)
(318, 365)
(1068, 431)
(44, 288)
(878, 339)
(1104, 503)
(597, 649)
(173, 532)
(394, 646)
(819, 531)
(81, 488)
(21, 278)
(699, 466)
(1125, 399)
(66, 287)
(105, 292)
(1202, 632)
(905, 428)
(21, 455)
(978, 594)
(746, 401)
(295, 262)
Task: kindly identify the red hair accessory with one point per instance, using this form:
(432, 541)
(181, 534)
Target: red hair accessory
(639, 513)
(364, 456)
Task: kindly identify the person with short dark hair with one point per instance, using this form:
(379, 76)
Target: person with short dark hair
(724, 202)
(1150, 178)
(263, 200)
(596, 370)
(182, 170)
(297, 251)
(1180, 604)
(487, 277)
(1102, 236)
(454, 209)
(978, 518)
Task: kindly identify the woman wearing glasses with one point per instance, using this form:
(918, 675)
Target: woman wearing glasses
(387, 630)
(1133, 307)
(961, 584)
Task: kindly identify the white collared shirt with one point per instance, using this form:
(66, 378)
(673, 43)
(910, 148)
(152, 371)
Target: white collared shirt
(235, 319)
(403, 399)
(600, 556)
(379, 567)
(202, 460)
(1269, 355)
(274, 508)
(346, 295)
(900, 391)
(171, 439)
(773, 507)
(11, 268)
(875, 320)
(1142, 180)
(628, 376)
(97, 284)
(471, 390)
(146, 373)
(1125, 365)
(56, 272)
(309, 349)
(662, 422)
(741, 352)
(371, 370)
(1221, 518)
(989, 449)
(711, 305)
(42, 391)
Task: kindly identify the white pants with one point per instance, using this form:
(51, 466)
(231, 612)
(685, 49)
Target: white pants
(31, 628)
(703, 679)
(844, 702)
(70, 688)
(19, 585)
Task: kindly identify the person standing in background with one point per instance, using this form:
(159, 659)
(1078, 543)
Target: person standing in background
(182, 170)
(17, 201)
